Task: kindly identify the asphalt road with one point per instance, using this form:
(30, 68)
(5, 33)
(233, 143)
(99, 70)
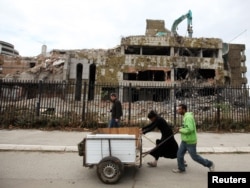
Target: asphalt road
(65, 170)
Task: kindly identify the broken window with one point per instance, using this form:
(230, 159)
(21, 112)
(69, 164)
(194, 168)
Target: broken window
(148, 75)
(181, 73)
(129, 76)
(62, 52)
(32, 64)
(156, 50)
(189, 52)
(106, 91)
(227, 80)
(207, 73)
(184, 73)
(132, 50)
(212, 53)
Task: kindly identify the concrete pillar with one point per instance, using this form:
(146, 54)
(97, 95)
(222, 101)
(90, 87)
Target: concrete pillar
(220, 53)
(121, 94)
(122, 50)
(172, 51)
(200, 54)
(172, 74)
(66, 68)
(172, 95)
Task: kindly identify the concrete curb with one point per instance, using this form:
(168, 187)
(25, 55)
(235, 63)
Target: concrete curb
(38, 148)
(223, 150)
(47, 148)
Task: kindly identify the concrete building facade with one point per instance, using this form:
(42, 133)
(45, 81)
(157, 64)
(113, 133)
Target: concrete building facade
(8, 49)
(149, 59)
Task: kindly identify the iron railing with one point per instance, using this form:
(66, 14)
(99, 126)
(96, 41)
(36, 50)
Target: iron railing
(39, 103)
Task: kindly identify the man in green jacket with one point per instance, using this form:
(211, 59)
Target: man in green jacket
(189, 141)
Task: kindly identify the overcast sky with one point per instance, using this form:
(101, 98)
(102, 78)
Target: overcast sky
(87, 24)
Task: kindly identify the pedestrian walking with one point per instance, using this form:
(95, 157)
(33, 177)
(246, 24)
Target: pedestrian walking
(189, 141)
(116, 111)
(169, 148)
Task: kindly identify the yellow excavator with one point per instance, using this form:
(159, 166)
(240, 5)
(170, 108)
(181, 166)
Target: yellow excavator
(187, 16)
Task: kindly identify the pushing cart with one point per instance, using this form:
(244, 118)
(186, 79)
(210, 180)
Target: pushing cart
(110, 149)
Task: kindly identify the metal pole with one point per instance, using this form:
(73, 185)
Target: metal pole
(218, 109)
(129, 104)
(84, 101)
(175, 105)
(38, 104)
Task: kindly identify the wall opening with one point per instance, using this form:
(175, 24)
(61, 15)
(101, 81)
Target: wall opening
(184, 73)
(92, 73)
(132, 50)
(148, 75)
(78, 88)
(211, 53)
(207, 73)
(189, 52)
(106, 91)
(32, 64)
(180, 73)
(155, 50)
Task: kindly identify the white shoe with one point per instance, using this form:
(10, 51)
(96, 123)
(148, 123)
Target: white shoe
(152, 164)
(177, 170)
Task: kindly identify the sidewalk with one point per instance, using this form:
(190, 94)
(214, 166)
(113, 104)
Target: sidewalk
(62, 141)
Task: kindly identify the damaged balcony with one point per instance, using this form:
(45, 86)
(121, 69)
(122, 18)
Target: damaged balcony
(148, 50)
(148, 75)
(196, 74)
(180, 74)
(166, 51)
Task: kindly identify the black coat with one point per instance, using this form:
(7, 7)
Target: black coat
(116, 111)
(169, 148)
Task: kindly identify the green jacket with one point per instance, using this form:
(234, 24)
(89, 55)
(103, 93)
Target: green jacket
(188, 131)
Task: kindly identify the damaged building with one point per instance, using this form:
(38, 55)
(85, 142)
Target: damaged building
(159, 58)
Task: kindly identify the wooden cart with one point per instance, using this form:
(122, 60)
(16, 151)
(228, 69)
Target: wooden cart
(110, 149)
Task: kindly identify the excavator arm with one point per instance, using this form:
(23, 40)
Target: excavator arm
(187, 16)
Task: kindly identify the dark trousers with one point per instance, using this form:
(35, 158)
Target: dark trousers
(114, 123)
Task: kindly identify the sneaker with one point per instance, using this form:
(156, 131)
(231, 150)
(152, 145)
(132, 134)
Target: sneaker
(178, 170)
(152, 164)
(211, 168)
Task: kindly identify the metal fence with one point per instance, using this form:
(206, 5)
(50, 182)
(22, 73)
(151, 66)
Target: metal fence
(34, 104)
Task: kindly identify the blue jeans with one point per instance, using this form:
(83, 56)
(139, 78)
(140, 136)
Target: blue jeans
(114, 123)
(191, 148)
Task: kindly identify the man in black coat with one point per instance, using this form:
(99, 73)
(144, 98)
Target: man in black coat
(169, 147)
(116, 111)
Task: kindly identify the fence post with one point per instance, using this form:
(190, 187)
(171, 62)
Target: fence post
(1, 95)
(129, 103)
(174, 105)
(218, 109)
(84, 101)
(38, 103)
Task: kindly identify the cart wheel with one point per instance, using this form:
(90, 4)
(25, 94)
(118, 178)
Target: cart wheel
(109, 170)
